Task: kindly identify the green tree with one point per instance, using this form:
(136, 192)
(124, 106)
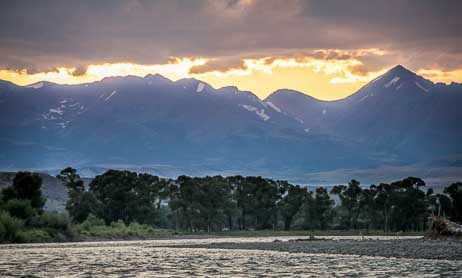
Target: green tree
(455, 192)
(440, 205)
(19, 208)
(216, 201)
(243, 194)
(368, 215)
(266, 196)
(309, 210)
(26, 186)
(323, 208)
(409, 204)
(350, 197)
(71, 179)
(80, 203)
(291, 203)
(128, 196)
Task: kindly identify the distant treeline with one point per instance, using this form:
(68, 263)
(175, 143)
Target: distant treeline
(219, 203)
(229, 203)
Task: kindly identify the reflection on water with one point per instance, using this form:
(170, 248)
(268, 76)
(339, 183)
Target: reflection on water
(154, 258)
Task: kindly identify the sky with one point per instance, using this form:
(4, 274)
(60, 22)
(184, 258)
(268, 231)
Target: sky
(327, 49)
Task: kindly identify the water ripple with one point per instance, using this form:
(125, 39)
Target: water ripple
(156, 259)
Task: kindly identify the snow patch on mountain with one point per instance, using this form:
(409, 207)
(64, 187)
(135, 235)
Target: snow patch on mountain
(393, 81)
(74, 104)
(273, 106)
(56, 110)
(261, 113)
(61, 125)
(249, 107)
(300, 121)
(421, 87)
(108, 97)
(36, 85)
(363, 98)
(200, 87)
(48, 117)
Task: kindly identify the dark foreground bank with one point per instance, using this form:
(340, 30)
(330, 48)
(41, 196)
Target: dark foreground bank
(402, 248)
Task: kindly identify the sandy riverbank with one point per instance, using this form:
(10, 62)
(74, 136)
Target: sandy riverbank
(402, 248)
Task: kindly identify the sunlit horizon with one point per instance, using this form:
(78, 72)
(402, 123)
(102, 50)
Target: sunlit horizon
(325, 80)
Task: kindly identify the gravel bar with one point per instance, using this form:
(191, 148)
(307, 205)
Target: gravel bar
(401, 248)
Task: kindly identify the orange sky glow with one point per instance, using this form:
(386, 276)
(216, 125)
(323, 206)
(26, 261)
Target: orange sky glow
(323, 79)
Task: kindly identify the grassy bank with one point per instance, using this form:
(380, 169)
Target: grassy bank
(134, 231)
(118, 231)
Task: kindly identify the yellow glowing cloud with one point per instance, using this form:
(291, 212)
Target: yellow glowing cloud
(177, 69)
(438, 75)
(324, 79)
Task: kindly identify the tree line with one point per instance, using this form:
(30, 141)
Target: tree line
(132, 202)
(255, 203)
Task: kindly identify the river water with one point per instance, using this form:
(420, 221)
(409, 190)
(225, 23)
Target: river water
(156, 258)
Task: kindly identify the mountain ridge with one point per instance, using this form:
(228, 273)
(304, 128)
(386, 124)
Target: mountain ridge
(398, 69)
(187, 124)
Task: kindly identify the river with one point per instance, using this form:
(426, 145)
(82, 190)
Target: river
(157, 258)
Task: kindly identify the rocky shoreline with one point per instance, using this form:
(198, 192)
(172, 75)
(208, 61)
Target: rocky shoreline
(400, 248)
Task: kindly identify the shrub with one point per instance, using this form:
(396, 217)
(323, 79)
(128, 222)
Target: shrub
(11, 226)
(33, 235)
(19, 208)
(119, 224)
(52, 220)
(2, 231)
(92, 221)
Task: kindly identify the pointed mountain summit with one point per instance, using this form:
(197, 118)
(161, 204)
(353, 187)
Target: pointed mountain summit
(399, 113)
(400, 71)
(399, 80)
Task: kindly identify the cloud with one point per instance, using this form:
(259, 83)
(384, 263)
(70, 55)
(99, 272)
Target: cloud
(231, 42)
(328, 60)
(220, 65)
(79, 71)
(39, 36)
(445, 76)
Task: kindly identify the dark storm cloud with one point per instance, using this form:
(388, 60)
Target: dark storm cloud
(42, 35)
(417, 30)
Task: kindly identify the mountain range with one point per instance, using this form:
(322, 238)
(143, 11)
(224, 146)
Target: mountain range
(398, 123)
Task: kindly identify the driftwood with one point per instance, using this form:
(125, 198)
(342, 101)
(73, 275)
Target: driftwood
(443, 228)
